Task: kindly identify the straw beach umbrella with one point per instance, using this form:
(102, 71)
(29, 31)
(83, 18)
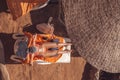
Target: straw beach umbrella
(94, 27)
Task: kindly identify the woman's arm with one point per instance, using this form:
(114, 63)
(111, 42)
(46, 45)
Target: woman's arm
(15, 58)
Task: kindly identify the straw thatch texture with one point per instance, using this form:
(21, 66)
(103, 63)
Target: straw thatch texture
(94, 27)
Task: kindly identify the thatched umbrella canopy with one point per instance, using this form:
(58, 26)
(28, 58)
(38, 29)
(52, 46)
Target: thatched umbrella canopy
(94, 27)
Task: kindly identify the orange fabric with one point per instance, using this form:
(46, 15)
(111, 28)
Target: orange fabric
(39, 41)
(21, 7)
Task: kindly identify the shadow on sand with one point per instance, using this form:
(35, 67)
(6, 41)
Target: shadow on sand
(3, 5)
(8, 43)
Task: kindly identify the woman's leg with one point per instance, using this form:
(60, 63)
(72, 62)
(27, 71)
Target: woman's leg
(31, 60)
(28, 58)
(55, 52)
(64, 51)
(50, 45)
(54, 45)
(63, 44)
(50, 53)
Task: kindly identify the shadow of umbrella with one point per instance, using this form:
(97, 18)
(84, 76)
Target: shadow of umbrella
(8, 44)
